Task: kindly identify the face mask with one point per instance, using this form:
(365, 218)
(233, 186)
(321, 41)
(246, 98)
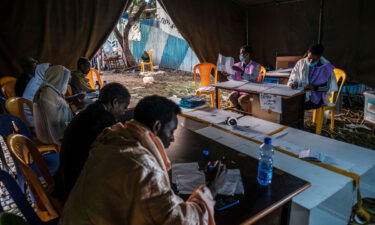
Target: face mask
(313, 63)
(243, 58)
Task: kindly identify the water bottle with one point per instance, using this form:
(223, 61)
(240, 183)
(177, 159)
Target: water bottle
(97, 86)
(265, 164)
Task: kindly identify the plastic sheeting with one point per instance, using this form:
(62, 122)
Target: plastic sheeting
(212, 27)
(58, 32)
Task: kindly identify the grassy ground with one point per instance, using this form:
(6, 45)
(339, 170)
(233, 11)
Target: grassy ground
(181, 84)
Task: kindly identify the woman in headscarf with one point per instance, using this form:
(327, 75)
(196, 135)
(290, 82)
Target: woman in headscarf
(51, 111)
(32, 88)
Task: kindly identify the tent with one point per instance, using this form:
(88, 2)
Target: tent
(61, 31)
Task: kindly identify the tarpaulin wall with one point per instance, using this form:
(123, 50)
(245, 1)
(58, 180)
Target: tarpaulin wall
(212, 27)
(58, 31)
(348, 33)
(169, 51)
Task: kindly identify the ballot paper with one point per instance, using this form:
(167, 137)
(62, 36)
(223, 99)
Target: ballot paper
(270, 102)
(182, 169)
(188, 177)
(326, 159)
(233, 183)
(187, 183)
(224, 64)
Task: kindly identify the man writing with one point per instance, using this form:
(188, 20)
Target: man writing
(315, 74)
(82, 131)
(125, 178)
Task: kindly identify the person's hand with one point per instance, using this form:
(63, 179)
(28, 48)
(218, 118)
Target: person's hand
(293, 85)
(80, 97)
(215, 176)
(237, 69)
(309, 87)
(225, 74)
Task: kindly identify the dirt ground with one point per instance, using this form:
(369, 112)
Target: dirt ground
(180, 84)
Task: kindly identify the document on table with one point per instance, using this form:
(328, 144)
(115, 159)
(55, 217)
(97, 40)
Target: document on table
(188, 177)
(256, 87)
(212, 115)
(225, 64)
(282, 90)
(182, 169)
(270, 102)
(233, 183)
(231, 84)
(326, 159)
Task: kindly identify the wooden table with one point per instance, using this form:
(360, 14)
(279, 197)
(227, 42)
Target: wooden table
(259, 205)
(292, 101)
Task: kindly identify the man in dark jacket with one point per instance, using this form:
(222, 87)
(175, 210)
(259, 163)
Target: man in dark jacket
(82, 131)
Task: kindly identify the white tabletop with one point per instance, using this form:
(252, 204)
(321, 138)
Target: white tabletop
(265, 88)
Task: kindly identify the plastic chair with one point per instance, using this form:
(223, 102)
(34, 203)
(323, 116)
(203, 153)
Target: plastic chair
(10, 124)
(21, 202)
(262, 73)
(90, 76)
(318, 114)
(148, 63)
(205, 88)
(15, 106)
(24, 152)
(7, 79)
(8, 89)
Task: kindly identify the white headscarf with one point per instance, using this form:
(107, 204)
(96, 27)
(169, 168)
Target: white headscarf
(31, 89)
(51, 112)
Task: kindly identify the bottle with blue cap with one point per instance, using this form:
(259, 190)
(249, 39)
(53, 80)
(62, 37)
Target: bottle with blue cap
(265, 164)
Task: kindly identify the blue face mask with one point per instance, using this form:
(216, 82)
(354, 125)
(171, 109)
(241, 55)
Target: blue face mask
(242, 58)
(313, 63)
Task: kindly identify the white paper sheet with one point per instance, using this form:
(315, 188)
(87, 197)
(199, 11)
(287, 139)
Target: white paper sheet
(270, 102)
(231, 83)
(225, 64)
(256, 87)
(233, 183)
(282, 90)
(183, 168)
(212, 115)
(187, 183)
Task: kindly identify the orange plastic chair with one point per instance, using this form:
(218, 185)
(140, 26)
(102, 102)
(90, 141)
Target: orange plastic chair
(205, 88)
(25, 153)
(262, 73)
(15, 106)
(318, 114)
(148, 63)
(8, 89)
(7, 79)
(90, 76)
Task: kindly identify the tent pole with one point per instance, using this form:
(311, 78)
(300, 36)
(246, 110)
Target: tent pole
(247, 25)
(320, 31)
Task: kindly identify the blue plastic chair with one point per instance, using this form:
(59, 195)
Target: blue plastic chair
(20, 200)
(6, 128)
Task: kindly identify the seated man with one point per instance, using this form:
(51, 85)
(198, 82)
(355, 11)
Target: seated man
(79, 82)
(82, 131)
(125, 178)
(248, 70)
(315, 74)
(28, 66)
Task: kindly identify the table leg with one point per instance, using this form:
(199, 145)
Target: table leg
(285, 214)
(217, 97)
